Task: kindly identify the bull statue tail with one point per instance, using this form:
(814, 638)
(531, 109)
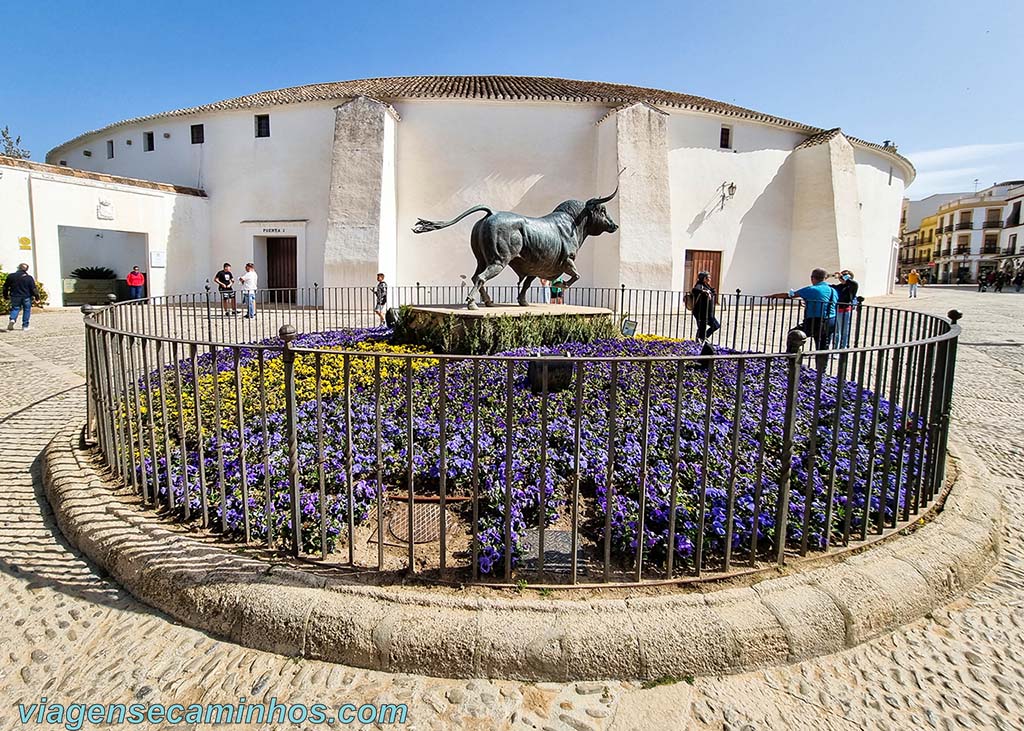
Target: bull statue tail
(423, 226)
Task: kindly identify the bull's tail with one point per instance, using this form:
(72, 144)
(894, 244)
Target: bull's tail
(423, 226)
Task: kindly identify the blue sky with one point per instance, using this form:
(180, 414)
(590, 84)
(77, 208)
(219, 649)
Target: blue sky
(940, 78)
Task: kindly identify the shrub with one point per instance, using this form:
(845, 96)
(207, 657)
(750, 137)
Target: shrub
(94, 273)
(488, 335)
(5, 304)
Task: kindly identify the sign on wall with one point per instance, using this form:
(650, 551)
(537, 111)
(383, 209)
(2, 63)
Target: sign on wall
(158, 259)
(25, 243)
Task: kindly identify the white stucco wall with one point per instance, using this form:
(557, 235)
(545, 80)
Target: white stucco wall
(815, 236)
(754, 228)
(15, 221)
(881, 199)
(453, 155)
(446, 155)
(284, 177)
(174, 223)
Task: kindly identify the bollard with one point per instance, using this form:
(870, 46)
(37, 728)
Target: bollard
(795, 342)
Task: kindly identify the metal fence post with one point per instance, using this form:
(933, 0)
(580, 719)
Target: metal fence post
(209, 313)
(316, 307)
(87, 313)
(288, 334)
(794, 348)
(736, 318)
(947, 403)
(856, 325)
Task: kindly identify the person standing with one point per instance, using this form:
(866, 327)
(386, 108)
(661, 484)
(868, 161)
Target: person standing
(1018, 279)
(250, 283)
(847, 291)
(380, 298)
(913, 279)
(225, 285)
(703, 297)
(135, 280)
(20, 289)
(819, 311)
(557, 291)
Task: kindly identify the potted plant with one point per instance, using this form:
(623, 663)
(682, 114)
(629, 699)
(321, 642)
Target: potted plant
(90, 286)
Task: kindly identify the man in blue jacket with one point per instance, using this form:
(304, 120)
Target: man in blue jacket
(20, 288)
(820, 302)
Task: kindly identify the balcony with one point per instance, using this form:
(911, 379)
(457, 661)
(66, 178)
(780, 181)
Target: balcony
(948, 229)
(961, 250)
(990, 250)
(993, 224)
(936, 254)
(1009, 251)
(965, 226)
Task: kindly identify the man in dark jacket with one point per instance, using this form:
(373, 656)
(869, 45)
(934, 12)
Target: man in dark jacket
(703, 298)
(847, 291)
(20, 288)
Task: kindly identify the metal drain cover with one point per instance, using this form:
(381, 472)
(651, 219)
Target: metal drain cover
(557, 550)
(426, 523)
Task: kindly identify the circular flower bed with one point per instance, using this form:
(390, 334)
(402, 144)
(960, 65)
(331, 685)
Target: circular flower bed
(742, 461)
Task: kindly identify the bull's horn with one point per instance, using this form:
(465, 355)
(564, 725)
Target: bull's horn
(599, 201)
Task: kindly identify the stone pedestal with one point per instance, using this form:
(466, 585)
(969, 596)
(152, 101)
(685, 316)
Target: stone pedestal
(433, 312)
(457, 325)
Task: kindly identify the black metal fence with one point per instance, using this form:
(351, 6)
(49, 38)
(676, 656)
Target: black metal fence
(635, 460)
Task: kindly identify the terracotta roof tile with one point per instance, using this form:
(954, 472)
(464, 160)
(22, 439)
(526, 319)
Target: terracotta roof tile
(15, 162)
(513, 88)
(820, 138)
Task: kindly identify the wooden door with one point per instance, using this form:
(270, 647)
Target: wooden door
(282, 267)
(700, 260)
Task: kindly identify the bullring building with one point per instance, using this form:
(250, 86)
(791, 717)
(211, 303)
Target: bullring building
(323, 183)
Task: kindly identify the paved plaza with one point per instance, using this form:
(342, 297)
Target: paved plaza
(70, 634)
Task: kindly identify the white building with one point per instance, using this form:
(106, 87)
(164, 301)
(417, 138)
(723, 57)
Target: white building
(972, 228)
(323, 183)
(1012, 242)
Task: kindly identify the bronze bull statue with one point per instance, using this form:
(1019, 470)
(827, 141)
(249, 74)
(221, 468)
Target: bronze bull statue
(534, 247)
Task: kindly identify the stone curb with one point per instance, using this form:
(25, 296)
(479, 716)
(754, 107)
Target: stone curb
(291, 612)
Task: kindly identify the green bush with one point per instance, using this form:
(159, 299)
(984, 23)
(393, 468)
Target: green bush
(93, 273)
(487, 335)
(5, 304)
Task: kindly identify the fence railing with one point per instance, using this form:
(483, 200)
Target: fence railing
(631, 460)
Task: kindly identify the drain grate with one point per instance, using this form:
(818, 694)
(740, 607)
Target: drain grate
(426, 523)
(557, 550)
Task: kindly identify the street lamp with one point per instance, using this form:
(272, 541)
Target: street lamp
(727, 191)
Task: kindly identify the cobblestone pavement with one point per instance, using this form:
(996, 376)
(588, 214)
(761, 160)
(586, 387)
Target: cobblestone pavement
(69, 634)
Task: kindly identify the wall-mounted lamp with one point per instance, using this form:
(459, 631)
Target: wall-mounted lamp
(726, 192)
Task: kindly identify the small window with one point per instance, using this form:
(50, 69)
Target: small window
(198, 135)
(64, 163)
(110, 149)
(725, 139)
(87, 153)
(147, 142)
(263, 125)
